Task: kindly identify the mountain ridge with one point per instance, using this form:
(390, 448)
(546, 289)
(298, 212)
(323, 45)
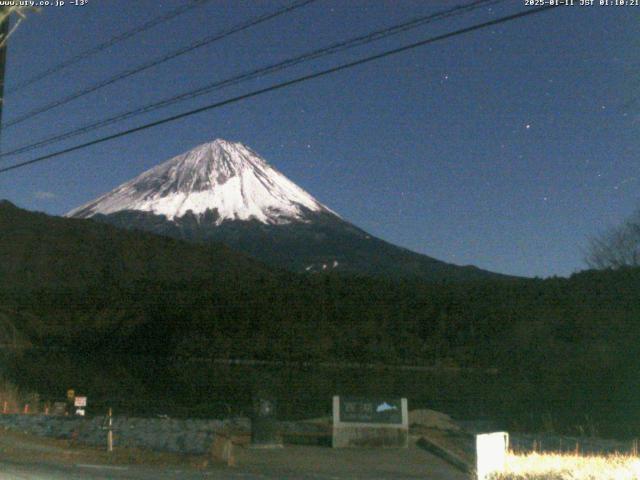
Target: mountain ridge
(225, 192)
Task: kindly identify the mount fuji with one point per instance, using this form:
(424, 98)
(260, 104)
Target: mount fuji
(225, 192)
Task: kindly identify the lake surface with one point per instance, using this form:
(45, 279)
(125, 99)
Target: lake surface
(142, 385)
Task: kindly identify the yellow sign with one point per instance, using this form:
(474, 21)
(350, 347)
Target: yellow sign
(71, 394)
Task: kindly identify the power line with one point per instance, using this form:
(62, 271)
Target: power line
(165, 58)
(107, 44)
(303, 58)
(282, 85)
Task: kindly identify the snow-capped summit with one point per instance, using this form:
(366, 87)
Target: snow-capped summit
(221, 176)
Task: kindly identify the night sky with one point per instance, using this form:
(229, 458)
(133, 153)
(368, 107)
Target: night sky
(505, 148)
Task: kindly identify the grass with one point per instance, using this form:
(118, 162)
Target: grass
(562, 466)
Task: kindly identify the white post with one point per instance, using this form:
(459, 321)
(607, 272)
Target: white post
(110, 432)
(491, 453)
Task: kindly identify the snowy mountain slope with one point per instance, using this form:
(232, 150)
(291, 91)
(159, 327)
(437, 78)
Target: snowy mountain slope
(224, 192)
(222, 176)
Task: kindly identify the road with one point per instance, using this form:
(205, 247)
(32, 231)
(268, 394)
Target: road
(35, 471)
(48, 471)
(23, 457)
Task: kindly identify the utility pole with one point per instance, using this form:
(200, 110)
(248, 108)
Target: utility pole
(4, 33)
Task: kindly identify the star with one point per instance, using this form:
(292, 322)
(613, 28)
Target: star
(527, 126)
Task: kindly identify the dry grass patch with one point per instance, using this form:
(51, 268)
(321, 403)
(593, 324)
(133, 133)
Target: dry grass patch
(557, 466)
(13, 400)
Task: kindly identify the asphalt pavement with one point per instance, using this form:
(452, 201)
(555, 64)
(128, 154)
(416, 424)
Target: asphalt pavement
(25, 457)
(35, 471)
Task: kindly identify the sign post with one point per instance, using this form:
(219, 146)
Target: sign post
(370, 422)
(264, 424)
(80, 403)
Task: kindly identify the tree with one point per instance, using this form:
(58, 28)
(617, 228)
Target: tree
(618, 247)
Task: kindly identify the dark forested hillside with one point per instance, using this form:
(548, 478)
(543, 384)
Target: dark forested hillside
(81, 288)
(323, 242)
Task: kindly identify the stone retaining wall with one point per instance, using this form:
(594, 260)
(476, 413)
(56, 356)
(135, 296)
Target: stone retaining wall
(169, 435)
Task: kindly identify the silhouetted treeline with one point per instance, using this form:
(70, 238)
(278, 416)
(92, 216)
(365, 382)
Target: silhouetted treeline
(82, 288)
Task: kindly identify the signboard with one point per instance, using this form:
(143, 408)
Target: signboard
(59, 408)
(370, 422)
(80, 402)
(371, 410)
